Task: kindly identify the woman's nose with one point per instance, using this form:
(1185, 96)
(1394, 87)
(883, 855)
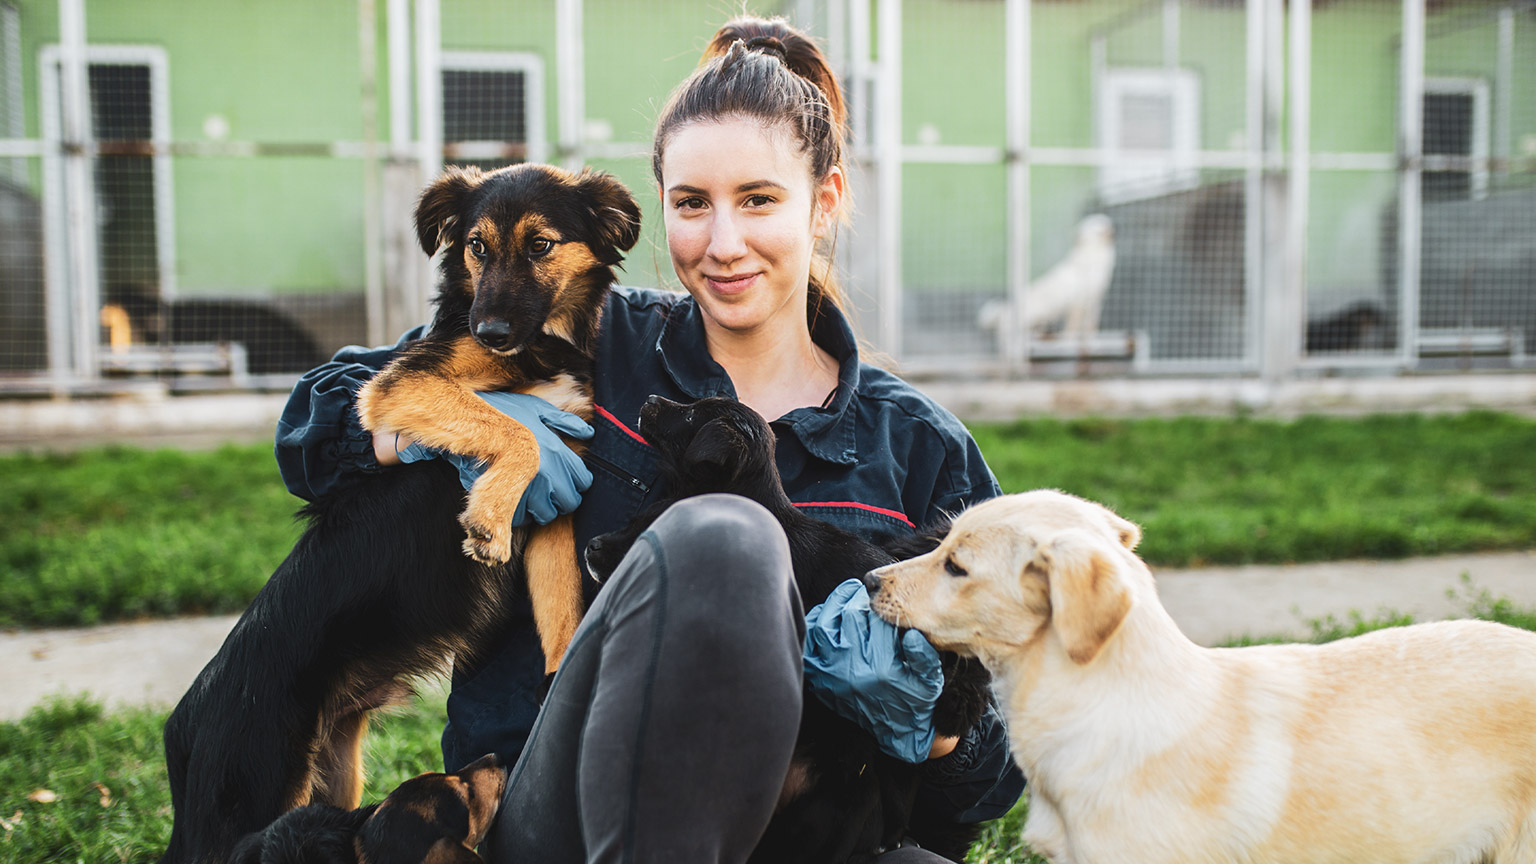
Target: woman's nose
(727, 242)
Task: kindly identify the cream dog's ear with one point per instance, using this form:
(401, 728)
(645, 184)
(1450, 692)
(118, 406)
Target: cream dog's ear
(1088, 598)
(1128, 532)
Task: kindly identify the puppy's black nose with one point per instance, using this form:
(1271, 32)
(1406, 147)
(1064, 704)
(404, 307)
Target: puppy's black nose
(871, 581)
(494, 334)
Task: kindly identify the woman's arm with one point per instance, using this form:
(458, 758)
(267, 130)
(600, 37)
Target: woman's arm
(319, 439)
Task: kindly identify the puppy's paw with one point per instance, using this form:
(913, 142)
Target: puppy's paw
(487, 539)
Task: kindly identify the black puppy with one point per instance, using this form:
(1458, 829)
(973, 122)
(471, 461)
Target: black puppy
(429, 819)
(845, 798)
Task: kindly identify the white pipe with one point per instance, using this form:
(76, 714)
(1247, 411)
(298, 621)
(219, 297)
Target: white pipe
(1171, 34)
(399, 35)
(1016, 57)
(373, 238)
(570, 83)
(889, 169)
(1410, 178)
(429, 129)
(79, 190)
(1253, 184)
(1288, 327)
(1504, 88)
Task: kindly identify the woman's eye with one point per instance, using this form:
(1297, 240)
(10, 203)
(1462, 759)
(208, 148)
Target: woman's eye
(759, 201)
(954, 569)
(691, 203)
(540, 247)
(477, 247)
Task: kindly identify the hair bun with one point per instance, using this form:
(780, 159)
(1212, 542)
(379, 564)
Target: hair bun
(769, 45)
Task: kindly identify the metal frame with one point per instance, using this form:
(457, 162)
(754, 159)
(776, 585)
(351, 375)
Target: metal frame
(532, 67)
(72, 273)
(1277, 162)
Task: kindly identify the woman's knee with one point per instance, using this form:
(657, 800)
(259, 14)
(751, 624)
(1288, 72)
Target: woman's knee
(724, 544)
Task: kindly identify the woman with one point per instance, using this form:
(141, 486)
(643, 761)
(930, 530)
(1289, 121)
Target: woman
(668, 731)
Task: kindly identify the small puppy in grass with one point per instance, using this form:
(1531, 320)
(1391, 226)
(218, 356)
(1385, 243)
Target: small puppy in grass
(1413, 744)
(429, 819)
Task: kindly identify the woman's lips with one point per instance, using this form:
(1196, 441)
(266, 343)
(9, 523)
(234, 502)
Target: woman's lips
(730, 284)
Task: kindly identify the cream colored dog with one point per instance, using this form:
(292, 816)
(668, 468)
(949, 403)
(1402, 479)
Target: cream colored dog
(1415, 744)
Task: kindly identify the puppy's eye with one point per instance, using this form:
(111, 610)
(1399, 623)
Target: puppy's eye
(954, 569)
(477, 248)
(540, 247)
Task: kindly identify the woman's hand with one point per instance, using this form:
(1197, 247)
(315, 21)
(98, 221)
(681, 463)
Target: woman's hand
(885, 680)
(562, 476)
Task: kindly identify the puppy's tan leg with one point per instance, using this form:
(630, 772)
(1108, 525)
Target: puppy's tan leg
(554, 585)
(338, 778)
(440, 409)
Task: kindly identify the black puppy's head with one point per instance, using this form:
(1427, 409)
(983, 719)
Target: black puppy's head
(527, 249)
(711, 445)
(435, 818)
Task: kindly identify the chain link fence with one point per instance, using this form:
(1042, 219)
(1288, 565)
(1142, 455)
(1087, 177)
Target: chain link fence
(220, 198)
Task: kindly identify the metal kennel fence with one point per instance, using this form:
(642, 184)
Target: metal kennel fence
(220, 196)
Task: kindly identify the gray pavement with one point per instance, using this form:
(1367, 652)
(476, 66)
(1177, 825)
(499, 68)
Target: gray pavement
(153, 662)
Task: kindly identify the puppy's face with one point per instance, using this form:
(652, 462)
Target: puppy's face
(1015, 569)
(711, 445)
(529, 246)
(435, 818)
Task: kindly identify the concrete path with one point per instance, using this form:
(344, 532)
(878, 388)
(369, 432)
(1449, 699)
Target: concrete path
(154, 662)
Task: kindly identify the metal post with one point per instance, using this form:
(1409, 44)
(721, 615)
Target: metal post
(429, 121)
(373, 270)
(1287, 327)
(1274, 199)
(889, 169)
(1016, 93)
(399, 26)
(1253, 184)
(1171, 34)
(570, 83)
(79, 191)
(1410, 151)
(858, 77)
(1504, 89)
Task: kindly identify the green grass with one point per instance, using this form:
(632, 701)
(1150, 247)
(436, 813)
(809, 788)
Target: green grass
(73, 749)
(1223, 491)
(107, 771)
(118, 533)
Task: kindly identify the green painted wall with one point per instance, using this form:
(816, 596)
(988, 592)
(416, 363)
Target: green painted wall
(288, 71)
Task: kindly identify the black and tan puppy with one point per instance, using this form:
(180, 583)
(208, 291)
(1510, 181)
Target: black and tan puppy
(379, 589)
(429, 819)
(843, 797)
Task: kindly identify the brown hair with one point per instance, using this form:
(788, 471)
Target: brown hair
(765, 69)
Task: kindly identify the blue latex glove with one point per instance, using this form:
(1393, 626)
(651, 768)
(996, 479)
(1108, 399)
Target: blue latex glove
(867, 671)
(562, 476)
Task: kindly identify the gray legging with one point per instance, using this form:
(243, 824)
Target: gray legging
(667, 733)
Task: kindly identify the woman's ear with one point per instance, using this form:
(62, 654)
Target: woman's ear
(829, 194)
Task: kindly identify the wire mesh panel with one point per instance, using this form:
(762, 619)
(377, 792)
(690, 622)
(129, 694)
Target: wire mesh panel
(1141, 117)
(1477, 285)
(954, 224)
(23, 308)
(1353, 295)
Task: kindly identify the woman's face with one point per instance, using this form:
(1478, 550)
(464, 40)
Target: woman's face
(743, 216)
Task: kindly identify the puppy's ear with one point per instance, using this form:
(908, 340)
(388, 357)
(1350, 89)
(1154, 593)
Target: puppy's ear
(614, 215)
(715, 446)
(1089, 600)
(1128, 532)
(437, 212)
(446, 851)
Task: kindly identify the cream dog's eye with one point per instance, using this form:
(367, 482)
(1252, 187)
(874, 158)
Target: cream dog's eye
(954, 569)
